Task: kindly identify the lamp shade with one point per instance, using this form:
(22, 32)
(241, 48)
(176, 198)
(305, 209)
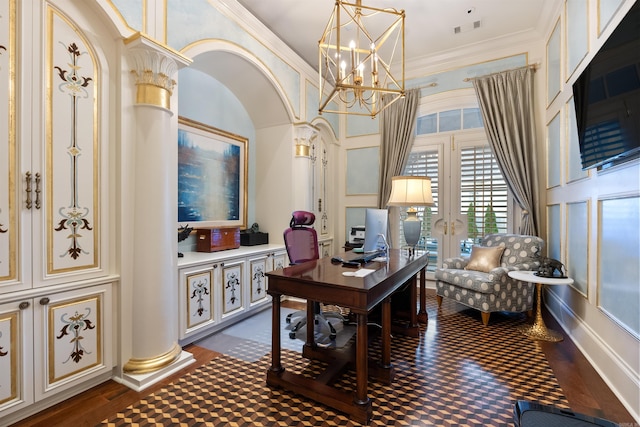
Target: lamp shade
(410, 191)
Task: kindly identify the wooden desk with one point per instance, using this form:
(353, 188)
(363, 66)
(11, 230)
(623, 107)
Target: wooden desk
(322, 281)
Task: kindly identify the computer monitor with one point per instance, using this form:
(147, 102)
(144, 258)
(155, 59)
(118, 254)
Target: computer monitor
(375, 224)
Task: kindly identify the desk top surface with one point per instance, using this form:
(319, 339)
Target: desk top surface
(320, 280)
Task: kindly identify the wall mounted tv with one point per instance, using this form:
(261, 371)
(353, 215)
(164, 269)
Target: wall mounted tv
(607, 98)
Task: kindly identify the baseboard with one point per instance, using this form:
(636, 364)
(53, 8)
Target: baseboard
(612, 369)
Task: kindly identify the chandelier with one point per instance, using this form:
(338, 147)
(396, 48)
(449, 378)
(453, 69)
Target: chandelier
(361, 58)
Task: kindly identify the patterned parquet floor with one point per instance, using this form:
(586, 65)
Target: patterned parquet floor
(457, 373)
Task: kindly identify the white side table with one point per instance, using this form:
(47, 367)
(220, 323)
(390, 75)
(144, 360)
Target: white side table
(539, 331)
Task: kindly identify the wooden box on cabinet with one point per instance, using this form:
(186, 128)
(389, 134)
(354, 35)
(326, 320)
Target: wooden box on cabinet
(218, 239)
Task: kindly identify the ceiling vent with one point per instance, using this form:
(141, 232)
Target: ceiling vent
(466, 27)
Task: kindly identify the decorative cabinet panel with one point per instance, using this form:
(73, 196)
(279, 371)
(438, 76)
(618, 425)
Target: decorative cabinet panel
(218, 289)
(53, 180)
(16, 356)
(199, 298)
(325, 248)
(66, 337)
(258, 279)
(232, 286)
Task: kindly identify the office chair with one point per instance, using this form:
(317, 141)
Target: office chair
(301, 241)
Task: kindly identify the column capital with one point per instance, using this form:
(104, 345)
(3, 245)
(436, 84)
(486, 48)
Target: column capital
(153, 67)
(304, 133)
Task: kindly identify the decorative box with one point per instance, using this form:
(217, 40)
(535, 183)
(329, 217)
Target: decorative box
(252, 239)
(217, 239)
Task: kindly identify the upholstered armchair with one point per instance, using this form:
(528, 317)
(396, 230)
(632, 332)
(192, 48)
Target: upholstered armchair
(482, 281)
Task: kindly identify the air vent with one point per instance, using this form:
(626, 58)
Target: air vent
(469, 26)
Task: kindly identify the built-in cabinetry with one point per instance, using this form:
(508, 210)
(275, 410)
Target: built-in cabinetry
(56, 310)
(220, 288)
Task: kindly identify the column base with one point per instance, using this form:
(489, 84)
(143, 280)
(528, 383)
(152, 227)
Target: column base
(139, 382)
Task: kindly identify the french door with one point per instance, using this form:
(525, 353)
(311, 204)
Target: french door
(469, 191)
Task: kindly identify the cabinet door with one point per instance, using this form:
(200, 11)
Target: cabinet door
(258, 267)
(279, 260)
(72, 338)
(16, 352)
(232, 286)
(197, 300)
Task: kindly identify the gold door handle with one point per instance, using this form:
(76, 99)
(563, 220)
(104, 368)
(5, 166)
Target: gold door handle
(28, 189)
(445, 228)
(38, 190)
(453, 228)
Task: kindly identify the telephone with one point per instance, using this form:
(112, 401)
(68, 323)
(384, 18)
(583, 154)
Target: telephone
(550, 267)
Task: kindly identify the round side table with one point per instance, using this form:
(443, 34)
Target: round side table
(539, 331)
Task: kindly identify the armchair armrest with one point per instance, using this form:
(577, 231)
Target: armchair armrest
(498, 272)
(457, 263)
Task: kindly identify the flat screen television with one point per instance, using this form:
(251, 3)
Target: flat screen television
(607, 98)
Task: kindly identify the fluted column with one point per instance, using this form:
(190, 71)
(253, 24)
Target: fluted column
(154, 317)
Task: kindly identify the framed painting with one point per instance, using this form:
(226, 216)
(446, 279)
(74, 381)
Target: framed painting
(212, 176)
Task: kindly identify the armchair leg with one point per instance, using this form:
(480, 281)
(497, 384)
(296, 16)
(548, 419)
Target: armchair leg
(485, 318)
(529, 314)
(439, 299)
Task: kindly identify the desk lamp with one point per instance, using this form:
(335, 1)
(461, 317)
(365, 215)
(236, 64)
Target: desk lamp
(411, 191)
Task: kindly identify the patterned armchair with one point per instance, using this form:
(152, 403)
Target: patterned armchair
(482, 281)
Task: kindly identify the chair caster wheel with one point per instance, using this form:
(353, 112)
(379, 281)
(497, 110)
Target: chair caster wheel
(288, 319)
(332, 337)
(292, 335)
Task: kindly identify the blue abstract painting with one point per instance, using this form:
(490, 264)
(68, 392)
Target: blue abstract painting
(211, 168)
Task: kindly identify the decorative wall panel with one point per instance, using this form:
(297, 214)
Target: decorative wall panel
(553, 152)
(8, 220)
(554, 229)
(72, 186)
(74, 337)
(553, 64)
(362, 170)
(577, 245)
(577, 33)
(619, 249)
(199, 298)
(574, 165)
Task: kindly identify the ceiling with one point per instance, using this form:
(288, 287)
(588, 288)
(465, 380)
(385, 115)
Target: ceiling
(429, 24)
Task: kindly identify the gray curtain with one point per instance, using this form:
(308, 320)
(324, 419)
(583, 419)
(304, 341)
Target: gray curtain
(398, 132)
(506, 102)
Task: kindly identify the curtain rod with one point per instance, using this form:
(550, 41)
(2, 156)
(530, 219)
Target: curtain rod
(535, 66)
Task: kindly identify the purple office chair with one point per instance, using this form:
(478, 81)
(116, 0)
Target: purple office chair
(301, 241)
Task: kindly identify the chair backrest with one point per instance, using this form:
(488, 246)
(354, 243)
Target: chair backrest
(301, 239)
(519, 248)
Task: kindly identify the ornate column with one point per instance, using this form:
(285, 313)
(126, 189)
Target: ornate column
(304, 134)
(154, 298)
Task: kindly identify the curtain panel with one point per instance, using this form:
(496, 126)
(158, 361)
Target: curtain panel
(507, 106)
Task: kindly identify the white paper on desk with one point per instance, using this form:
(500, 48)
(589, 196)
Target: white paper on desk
(363, 272)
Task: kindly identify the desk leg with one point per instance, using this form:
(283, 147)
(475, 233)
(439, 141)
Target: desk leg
(413, 318)
(422, 312)
(385, 363)
(276, 365)
(362, 368)
(539, 331)
(311, 322)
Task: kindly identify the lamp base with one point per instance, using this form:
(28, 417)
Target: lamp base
(412, 227)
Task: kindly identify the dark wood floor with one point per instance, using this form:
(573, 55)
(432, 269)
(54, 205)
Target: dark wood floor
(585, 391)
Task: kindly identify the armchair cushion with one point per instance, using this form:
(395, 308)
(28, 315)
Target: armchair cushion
(484, 258)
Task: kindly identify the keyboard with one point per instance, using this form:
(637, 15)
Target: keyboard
(366, 258)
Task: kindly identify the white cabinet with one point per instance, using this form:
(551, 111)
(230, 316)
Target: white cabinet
(52, 343)
(218, 289)
(55, 279)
